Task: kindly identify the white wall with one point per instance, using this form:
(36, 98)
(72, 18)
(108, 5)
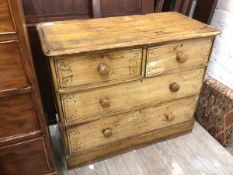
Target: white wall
(221, 62)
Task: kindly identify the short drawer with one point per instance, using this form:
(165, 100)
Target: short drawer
(89, 105)
(98, 68)
(107, 131)
(6, 21)
(11, 69)
(17, 116)
(175, 57)
(25, 158)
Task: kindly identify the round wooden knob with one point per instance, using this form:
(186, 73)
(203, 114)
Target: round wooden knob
(103, 69)
(181, 57)
(107, 132)
(174, 87)
(169, 117)
(105, 102)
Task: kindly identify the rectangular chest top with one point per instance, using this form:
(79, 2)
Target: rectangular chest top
(79, 36)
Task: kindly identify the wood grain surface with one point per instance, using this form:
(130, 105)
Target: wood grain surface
(54, 10)
(15, 159)
(6, 20)
(18, 116)
(125, 82)
(129, 144)
(165, 58)
(89, 137)
(83, 70)
(24, 139)
(59, 38)
(11, 67)
(85, 106)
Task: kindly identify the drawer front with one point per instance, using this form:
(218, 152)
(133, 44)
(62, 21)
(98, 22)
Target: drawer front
(25, 158)
(95, 69)
(85, 106)
(11, 70)
(112, 129)
(174, 57)
(17, 116)
(6, 21)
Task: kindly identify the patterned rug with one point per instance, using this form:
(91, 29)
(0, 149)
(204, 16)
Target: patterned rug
(215, 110)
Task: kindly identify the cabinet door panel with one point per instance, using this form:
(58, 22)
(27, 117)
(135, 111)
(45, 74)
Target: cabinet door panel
(84, 106)
(6, 21)
(26, 158)
(17, 116)
(53, 10)
(11, 69)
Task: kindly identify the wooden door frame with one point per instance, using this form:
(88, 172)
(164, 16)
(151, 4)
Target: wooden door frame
(204, 10)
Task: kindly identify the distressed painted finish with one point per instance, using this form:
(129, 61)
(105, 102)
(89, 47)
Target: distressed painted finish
(129, 96)
(122, 66)
(125, 82)
(177, 56)
(91, 136)
(17, 157)
(129, 144)
(61, 38)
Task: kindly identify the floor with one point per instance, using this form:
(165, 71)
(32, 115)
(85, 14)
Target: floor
(230, 148)
(192, 154)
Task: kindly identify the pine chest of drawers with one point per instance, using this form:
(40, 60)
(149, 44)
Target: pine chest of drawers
(124, 82)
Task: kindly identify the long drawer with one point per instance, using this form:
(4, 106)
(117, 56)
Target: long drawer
(11, 67)
(17, 116)
(25, 158)
(177, 56)
(107, 131)
(83, 106)
(98, 69)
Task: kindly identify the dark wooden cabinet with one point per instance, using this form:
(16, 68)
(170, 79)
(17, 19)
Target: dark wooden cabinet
(24, 138)
(7, 24)
(12, 74)
(44, 10)
(25, 158)
(106, 8)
